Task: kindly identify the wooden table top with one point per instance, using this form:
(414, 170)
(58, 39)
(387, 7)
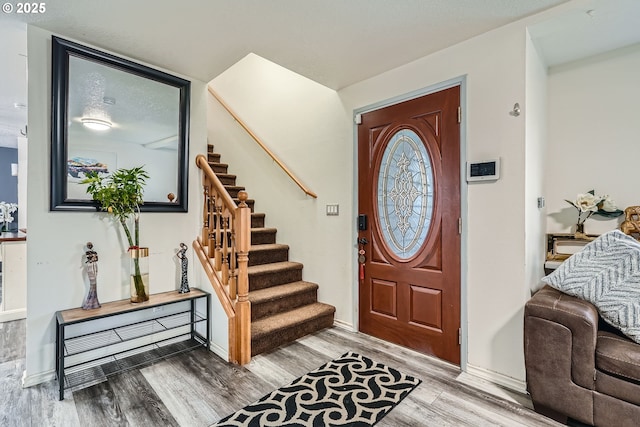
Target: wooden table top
(74, 315)
(12, 236)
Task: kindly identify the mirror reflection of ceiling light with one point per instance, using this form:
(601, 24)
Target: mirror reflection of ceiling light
(96, 124)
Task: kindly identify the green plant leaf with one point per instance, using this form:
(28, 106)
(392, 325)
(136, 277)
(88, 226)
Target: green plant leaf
(607, 214)
(119, 194)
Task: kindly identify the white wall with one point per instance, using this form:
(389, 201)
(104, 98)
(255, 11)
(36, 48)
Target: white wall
(593, 136)
(495, 239)
(306, 125)
(302, 122)
(535, 108)
(56, 239)
(503, 240)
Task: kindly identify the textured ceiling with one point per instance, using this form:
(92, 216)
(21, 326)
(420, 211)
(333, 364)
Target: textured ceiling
(334, 42)
(600, 26)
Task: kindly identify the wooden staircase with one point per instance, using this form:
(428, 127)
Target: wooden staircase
(283, 306)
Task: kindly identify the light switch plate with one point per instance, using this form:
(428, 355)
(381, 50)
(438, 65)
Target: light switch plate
(333, 210)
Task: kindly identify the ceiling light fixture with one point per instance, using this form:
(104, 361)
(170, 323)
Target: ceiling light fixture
(96, 124)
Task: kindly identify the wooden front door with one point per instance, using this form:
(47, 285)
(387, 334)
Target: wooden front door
(409, 190)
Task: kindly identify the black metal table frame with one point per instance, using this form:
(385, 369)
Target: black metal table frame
(195, 335)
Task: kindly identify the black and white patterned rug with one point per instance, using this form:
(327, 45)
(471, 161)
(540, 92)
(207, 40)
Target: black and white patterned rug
(352, 390)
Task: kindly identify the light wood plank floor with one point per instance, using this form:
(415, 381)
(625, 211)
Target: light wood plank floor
(198, 388)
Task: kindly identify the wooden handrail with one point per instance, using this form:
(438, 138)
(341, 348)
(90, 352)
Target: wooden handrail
(261, 144)
(203, 164)
(226, 234)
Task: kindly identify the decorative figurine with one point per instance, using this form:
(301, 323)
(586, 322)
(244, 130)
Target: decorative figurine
(92, 271)
(184, 282)
(631, 223)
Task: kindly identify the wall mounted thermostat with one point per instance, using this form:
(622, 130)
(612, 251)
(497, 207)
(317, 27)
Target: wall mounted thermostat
(487, 170)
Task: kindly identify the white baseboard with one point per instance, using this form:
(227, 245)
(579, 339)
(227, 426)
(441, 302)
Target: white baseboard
(9, 315)
(39, 378)
(497, 378)
(216, 349)
(344, 325)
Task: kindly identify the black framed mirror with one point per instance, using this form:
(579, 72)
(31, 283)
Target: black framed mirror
(110, 113)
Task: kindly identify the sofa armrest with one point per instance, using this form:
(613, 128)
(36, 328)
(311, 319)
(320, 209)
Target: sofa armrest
(580, 318)
(560, 333)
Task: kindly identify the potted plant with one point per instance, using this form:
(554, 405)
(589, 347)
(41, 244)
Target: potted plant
(6, 209)
(120, 195)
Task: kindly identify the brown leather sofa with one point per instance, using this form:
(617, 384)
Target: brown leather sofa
(577, 366)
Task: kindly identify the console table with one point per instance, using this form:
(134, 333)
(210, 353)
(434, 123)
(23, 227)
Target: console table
(138, 334)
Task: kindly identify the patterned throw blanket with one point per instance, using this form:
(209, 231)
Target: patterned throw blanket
(606, 272)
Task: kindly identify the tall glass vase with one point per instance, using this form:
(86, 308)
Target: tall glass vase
(139, 274)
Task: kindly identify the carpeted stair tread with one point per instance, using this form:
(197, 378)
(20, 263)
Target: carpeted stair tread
(219, 168)
(277, 299)
(281, 291)
(263, 235)
(226, 179)
(218, 164)
(273, 274)
(257, 220)
(278, 323)
(273, 331)
(268, 253)
(258, 270)
(263, 229)
(267, 247)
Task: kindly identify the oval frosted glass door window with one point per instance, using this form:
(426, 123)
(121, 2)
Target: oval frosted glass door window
(405, 194)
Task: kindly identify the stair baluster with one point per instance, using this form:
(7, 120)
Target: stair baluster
(218, 234)
(233, 282)
(206, 208)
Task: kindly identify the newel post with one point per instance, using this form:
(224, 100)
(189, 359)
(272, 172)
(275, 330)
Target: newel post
(243, 306)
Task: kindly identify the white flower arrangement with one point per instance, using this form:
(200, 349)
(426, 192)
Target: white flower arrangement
(6, 209)
(589, 204)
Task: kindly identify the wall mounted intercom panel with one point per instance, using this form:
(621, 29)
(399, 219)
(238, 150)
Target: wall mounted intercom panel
(486, 170)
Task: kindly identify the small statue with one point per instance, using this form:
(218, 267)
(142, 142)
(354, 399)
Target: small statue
(92, 271)
(631, 223)
(184, 282)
